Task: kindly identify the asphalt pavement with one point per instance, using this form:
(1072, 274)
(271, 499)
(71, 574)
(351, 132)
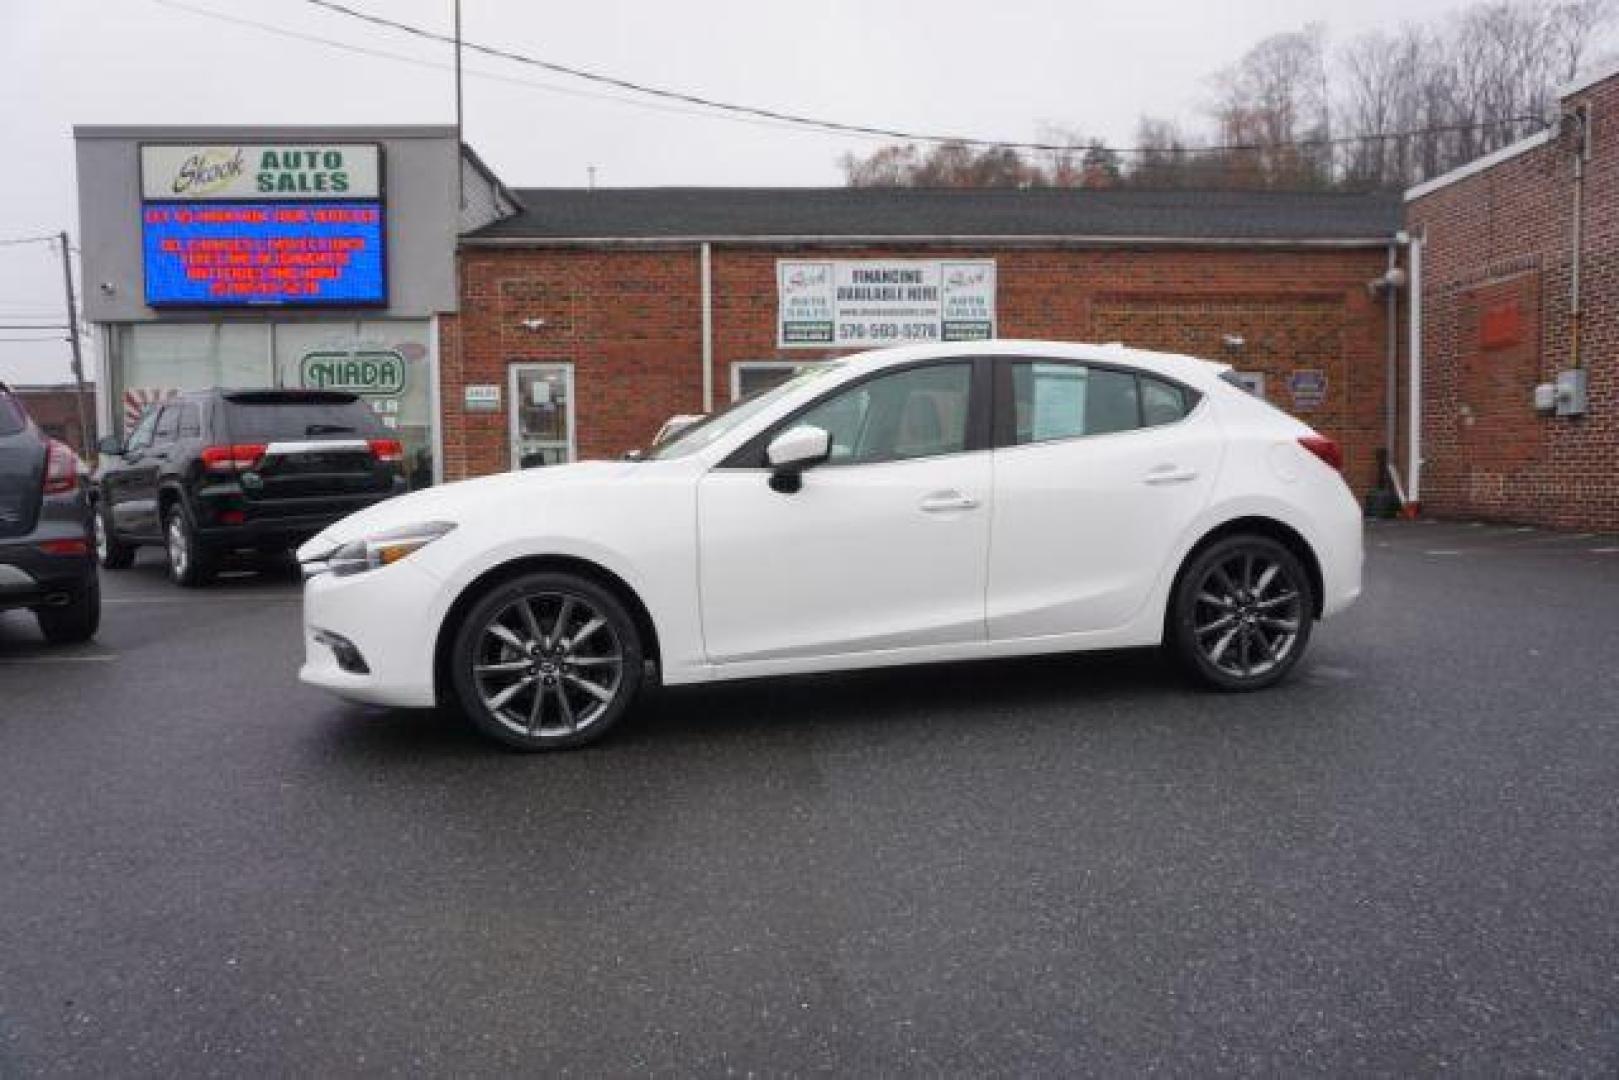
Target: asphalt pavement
(1404, 860)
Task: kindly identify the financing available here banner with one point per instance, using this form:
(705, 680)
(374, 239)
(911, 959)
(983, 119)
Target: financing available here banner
(858, 303)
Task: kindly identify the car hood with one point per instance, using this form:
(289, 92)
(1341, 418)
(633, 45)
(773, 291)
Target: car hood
(463, 500)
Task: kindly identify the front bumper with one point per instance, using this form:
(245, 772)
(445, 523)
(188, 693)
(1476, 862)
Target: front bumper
(391, 617)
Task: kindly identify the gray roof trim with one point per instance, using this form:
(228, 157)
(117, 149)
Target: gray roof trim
(905, 239)
(264, 132)
(1478, 165)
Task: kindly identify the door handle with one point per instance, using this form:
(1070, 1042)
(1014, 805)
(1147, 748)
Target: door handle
(1169, 474)
(943, 501)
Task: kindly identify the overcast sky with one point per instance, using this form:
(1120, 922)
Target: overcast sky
(989, 69)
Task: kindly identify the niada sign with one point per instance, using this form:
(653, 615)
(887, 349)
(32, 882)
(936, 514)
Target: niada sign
(377, 372)
(884, 302)
(261, 171)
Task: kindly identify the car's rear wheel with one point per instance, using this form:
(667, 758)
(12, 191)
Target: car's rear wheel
(73, 622)
(190, 564)
(1240, 617)
(111, 552)
(547, 661)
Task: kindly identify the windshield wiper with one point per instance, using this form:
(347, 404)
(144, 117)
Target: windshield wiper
(328, 429)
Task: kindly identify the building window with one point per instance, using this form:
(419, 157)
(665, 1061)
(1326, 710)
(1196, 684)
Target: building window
(748, 377)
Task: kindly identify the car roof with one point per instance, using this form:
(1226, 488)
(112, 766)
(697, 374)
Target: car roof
(1190, 369)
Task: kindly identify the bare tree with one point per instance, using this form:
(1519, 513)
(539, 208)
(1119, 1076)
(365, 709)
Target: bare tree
(1389, 110)
(1274, 104)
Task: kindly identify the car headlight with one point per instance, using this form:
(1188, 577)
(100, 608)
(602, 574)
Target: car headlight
(383, 549)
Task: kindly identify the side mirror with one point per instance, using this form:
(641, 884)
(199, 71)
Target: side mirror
(793, 451)
(110, 445)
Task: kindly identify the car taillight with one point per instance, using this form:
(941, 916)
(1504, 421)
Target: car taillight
(61, 469)
(1325, 449)
(235, 458)
(389, 450)
(66, 547)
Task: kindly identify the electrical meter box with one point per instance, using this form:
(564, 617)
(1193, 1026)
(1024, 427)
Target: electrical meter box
(1571, 392)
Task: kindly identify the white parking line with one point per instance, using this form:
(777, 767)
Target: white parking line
(17, 660)
(1445, 551)
(201, 599)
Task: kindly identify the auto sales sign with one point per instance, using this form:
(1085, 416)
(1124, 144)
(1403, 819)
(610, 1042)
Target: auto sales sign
(865, 302)
(260, 171)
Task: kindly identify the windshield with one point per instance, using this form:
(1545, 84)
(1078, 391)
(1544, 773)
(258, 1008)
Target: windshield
(715, 427)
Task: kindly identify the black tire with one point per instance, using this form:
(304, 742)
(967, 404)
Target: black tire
(190, 563)
(1241, 614)
(77, 622)
(111, 552)
(499, 675)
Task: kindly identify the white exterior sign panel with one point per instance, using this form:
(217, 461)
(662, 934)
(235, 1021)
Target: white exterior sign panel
(261, 172)
(859, 303)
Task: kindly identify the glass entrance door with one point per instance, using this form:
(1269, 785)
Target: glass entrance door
(541, 410)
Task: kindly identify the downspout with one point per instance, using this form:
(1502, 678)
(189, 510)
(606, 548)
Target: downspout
(706, 273)
(1413, 468)
(1391, 392)
(1581, 116)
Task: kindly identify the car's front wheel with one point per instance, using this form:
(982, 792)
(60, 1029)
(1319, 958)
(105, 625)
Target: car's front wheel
(547, 661)
(1240, 617)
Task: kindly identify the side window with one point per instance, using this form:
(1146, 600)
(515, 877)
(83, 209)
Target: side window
(190, 422)
(918, 412)
(1161, 402)
(167, 421)
(1066, 401)
(141, 437)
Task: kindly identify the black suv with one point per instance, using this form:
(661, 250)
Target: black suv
(215, 471)
(45, 559)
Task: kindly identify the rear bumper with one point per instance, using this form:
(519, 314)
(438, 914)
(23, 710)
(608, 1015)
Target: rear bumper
(31, 578)
(283, 523)
(1342, 555)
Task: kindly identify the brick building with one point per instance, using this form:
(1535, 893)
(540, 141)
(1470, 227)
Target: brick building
(55, 408)
(588, 318)
(1507, 244)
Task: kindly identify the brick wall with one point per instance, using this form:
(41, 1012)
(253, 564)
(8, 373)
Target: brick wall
(56, 411)
(630, 323)
(1497, 321)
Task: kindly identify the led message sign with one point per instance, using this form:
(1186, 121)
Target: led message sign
(263, 253)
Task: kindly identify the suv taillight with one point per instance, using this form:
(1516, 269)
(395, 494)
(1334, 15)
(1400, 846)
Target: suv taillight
(61, 468)
(235, 458)
(388, 450)
(1325, 449)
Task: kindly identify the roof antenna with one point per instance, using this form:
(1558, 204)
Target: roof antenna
(590, 170)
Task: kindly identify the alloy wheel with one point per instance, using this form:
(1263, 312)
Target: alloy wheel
(1247, 612)
(547, 664)
(179, 548)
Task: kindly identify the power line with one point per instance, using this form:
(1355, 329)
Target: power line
(862, 129)
(50, 239)
(534, 84)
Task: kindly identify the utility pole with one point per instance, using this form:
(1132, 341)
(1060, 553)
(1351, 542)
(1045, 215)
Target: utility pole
(73, 338)
(460, 141)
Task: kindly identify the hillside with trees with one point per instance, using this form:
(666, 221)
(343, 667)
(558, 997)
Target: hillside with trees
(1386, 109)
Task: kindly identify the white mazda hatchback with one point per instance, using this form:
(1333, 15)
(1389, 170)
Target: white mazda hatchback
(910, 505)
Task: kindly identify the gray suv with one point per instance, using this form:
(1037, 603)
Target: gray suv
(47, 556)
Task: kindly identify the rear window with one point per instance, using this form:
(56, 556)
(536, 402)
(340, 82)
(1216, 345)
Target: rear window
(12, 418)
(269, 418)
